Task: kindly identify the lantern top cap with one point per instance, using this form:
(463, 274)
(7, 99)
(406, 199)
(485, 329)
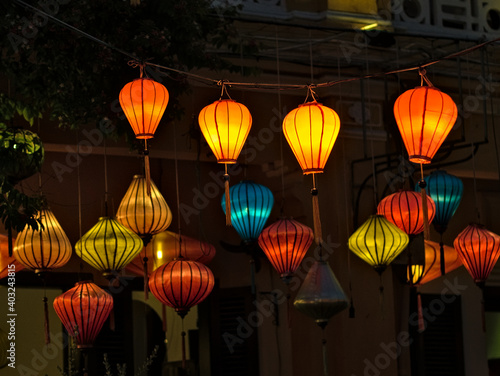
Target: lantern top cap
(310, 103)
(138, 176)
(83, 282)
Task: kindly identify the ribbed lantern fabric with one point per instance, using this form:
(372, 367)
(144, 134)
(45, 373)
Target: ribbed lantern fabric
(43, 249)
(251, 205)
(83, 311)
(404, 209)
(225, 124)
(164, 247)
(378, 242)
(144, 214)
(181, 284)
(285, 244)
(425, 117)
(5, 260)
(311, 131)
(479, 250)
(320, 296)
(144, 101)
(446, 191)
(108, 246)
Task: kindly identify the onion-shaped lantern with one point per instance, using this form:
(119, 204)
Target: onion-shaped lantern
(108, 246)
(144, 214)
(479, 250)
(5, 260)
(378, 242)
(285, 244)
(405, 210)
(181, 284)
(83, 311)
(425, 117)
(165, 247)
(45, 248)
(251, 206)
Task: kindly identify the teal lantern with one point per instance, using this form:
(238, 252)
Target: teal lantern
(251, 205)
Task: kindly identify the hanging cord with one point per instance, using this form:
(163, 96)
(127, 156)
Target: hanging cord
(105, 179)
(176, 163)
(147, 169)
(475, 184)
(441, 255)
(79, 192)
(46, 326)
(183, 337)
(425, 210)
(325, 354)
(423, 77)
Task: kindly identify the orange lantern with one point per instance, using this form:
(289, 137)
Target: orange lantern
(405, 210)
(5, 260)
(225, 124)
(285, 244)
(424, 116)
(479, 250)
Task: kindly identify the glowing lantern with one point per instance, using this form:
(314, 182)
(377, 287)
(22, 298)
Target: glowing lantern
(181, 284)
(165, 247)
(378, 242)
(225, 124)
(251, 206)
(404, 209)
(144, 214)
(285, 244)
(479, 250)
(83, 311)
(43, 249)
(108, 246)
(424, 116)
(311, 131)
(5, 260)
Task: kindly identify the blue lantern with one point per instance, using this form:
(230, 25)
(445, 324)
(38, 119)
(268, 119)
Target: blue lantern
(251, 206)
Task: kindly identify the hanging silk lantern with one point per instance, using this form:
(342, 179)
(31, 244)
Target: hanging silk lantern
(43, 249)
(285, 244)
(425, 116)
(144, 101)
(108, 246)
(181, 284)
(405, 210)
(83, 311)
(311, 131)
(5, 260)
(251, 206)
(378, 242)
(225, 124)
(165, 247)
(144, 214)
(479, 250)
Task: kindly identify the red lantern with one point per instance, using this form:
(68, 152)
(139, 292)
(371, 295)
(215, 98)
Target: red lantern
(479, 250)
(181, 284)
(83, 311)
(285, 244)
(404, 209)
(425, 116)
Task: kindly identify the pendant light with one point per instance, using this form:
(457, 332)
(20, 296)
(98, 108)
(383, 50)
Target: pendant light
(251, 205)
(285, 244)
(479, 250)
(405, 210)
(225, 124)
(144, 101)
(108, 246)
(5, 260)
(311, 131)
(83, 311)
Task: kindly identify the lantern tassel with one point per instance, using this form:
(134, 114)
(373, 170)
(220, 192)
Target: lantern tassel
(441, 255)
(325, 358)
(183, 335)
(228, 201)
(422, 184)
(146, 278)
(421, 324)
(147, 170)
(316, 217)
(164, 318)
(46, 320)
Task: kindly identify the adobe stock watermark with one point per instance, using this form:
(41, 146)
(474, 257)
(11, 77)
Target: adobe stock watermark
(265, 308)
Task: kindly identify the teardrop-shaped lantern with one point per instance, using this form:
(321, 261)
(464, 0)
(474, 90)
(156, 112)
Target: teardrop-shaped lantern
(446, 191)
(251, 205)
(285, 244)
(425, 117)
(404, 209)
(165, 247)
(144, 214)
(479, 250)
(5, 260)
(378, 242)
(320, 295)
(108, 246)
(83, 311)
(144, 101)
(43, 249)
(181, 284)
